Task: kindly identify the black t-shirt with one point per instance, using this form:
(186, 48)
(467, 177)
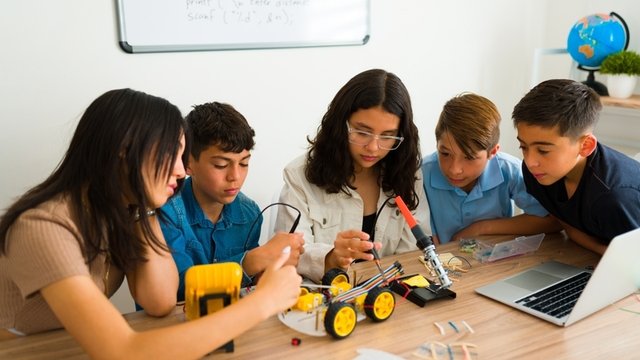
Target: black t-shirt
(369, 224)
(606, 202)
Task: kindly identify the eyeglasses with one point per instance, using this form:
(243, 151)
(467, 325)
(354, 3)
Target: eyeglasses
(364, 138)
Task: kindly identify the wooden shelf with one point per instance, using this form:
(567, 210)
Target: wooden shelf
(631, 103)
(618, 124)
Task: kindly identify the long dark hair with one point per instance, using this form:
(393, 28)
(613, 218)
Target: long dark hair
(114, 137)
(329, 164)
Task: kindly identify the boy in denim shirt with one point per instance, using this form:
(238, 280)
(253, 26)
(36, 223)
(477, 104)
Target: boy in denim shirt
(209, 220)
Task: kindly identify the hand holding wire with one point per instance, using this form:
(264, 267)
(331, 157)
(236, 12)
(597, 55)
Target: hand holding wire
(350, 245)
(280, 240)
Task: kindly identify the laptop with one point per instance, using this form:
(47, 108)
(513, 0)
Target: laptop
(563, 294)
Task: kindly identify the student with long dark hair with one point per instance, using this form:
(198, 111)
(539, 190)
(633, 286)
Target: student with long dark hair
(366, 150)
(67, 243)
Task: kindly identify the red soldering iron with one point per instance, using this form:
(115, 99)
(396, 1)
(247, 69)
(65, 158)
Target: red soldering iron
(425, 243)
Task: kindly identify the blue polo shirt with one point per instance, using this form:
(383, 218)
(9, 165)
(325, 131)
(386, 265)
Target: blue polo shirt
(194, 239)
(498, 187)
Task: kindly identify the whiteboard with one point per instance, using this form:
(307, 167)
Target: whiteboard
(194, 25)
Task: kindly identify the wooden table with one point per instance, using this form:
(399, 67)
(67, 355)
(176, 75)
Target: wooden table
(499, 331)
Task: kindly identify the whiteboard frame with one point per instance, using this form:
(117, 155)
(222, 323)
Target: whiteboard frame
(155, 48)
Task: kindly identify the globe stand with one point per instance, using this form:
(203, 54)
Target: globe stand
(591, 82)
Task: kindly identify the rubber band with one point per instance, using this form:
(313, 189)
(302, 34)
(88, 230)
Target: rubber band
(454, 326)
(465, 349)
(467, 326)
(436, 350)
(434, 354)
(439, 328)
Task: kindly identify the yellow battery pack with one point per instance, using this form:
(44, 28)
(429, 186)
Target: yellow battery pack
(209, 288)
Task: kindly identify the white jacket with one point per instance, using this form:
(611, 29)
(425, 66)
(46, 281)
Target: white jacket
(324, 215)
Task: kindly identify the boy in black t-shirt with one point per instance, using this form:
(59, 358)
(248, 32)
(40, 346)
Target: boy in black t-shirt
(593, 190)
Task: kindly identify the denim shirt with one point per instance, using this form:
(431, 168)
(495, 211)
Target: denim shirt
(194, 239)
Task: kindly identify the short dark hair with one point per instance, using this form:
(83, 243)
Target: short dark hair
(116, 135)
(472, 120)
(218, 124)
(329, 164)
(570, 105)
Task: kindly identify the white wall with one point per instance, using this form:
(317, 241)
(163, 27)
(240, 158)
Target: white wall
(57, 56)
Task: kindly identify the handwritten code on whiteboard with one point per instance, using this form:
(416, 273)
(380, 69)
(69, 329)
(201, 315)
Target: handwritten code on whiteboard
(192, 25)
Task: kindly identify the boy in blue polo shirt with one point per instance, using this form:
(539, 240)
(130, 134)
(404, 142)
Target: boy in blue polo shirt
(471, 187)
(209, 220)
(593, 190)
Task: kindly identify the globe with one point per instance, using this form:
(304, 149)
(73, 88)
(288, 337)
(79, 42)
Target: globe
(595, 37)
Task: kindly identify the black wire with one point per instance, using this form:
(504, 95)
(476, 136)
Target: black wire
(253, 223)
(461, 258)
(373, 250)
(295, 223)
(375, 221)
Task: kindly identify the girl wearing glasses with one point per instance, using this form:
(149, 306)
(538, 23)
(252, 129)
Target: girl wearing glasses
(366, 151)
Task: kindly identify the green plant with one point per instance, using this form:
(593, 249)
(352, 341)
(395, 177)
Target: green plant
(623, 62)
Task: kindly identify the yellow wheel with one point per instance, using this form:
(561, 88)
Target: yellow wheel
(334, 277)
(340, 319)
(379, 304)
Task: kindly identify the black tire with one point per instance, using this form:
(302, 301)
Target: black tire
(379, 304)
(340, 320)
(334, 274)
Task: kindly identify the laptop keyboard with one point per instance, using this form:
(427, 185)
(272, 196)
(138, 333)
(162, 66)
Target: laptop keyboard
(559, 299)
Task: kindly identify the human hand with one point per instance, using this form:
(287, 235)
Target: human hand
(279, 284)
(350, 245)
(435, 239)
(466, 233)
(583, 239)
(257, 259)
(273, 248)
